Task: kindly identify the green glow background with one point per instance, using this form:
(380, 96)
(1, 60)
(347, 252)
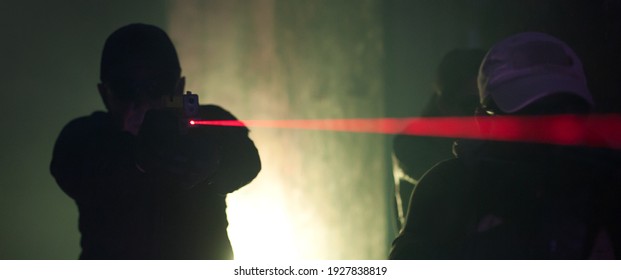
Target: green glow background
(321, 195)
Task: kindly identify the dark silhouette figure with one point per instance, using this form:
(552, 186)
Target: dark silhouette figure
(502, 200)
(455, 94)
(146, 186)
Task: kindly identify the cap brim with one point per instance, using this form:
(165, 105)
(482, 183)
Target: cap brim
(512, 96)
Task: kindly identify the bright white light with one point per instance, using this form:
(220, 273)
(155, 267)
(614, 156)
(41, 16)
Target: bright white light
(260, 227)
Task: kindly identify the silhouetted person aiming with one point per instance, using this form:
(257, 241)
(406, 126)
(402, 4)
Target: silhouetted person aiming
(511, 200)
(455, 94)
(145, 187)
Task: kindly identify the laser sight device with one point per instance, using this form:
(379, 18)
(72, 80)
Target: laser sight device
(187, 106)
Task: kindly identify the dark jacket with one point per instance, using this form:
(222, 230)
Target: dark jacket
(125, 213)
(513, 201)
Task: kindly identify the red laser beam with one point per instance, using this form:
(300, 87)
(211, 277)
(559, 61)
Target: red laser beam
(588, 130)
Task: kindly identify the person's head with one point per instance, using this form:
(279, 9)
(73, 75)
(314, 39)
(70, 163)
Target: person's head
(455, 87)
(532, 73)
(139, 65)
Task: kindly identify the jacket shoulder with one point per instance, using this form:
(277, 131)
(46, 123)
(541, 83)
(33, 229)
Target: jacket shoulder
(215, 112)
(447, 173)
(91, 122)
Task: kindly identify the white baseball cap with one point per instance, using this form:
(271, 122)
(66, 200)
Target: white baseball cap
(526, 67)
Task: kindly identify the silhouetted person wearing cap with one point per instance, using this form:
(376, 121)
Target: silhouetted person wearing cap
(455, 94)
(508, 200)
(146, 187)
